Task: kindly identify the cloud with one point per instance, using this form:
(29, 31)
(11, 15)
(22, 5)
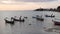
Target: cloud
(36, 0)
(27, 4)
(23, 1)
(12, 2)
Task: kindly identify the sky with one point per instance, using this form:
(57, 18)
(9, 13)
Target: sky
(28, 4)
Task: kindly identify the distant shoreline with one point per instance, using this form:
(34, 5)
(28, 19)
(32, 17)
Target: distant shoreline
(45, 9)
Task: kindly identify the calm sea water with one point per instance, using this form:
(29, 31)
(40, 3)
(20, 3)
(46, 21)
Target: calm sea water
(36, 27)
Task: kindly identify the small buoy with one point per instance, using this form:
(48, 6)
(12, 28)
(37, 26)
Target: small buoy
(44, 27)
(29, 24)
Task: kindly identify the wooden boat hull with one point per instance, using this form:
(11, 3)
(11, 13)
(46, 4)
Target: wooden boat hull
(11, 22)
(19, 20)
(49, 16)
(33, 17)
(26, 17)
(16, 20)
(56, 23)
(41, 19)
(22, 20)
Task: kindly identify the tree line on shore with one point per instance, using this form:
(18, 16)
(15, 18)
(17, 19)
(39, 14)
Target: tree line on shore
(51, 9)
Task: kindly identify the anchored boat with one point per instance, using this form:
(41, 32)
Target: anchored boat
(39, 18)
(50, 15)
(56, 21)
